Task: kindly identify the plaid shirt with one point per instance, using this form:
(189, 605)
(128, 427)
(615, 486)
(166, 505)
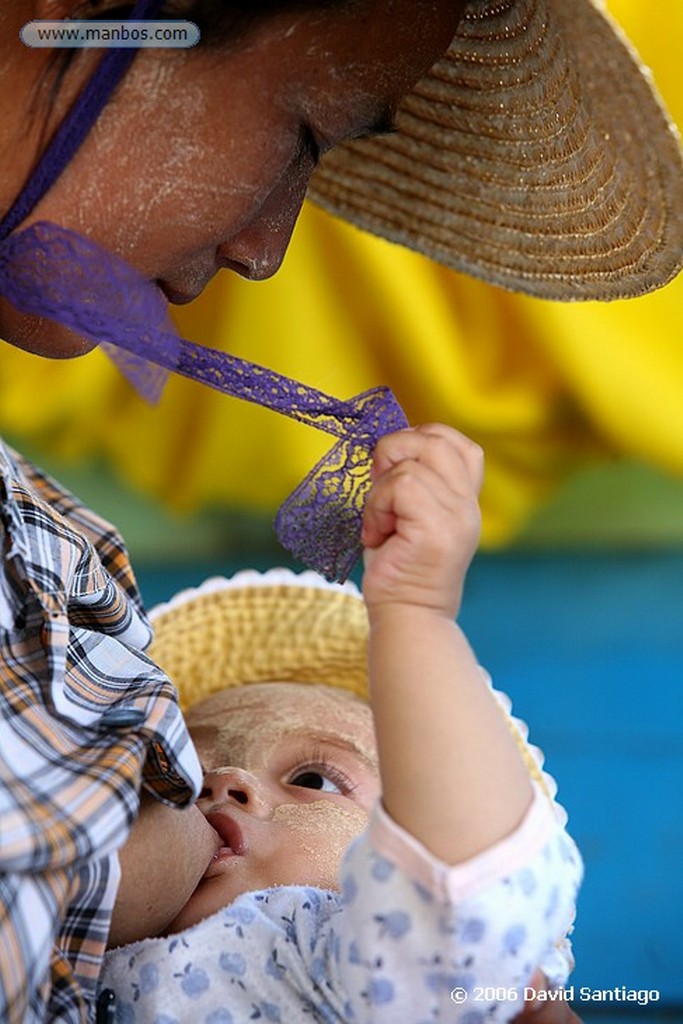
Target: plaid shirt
(85, 717)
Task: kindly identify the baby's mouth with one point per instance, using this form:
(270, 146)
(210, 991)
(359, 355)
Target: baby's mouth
(230, 833)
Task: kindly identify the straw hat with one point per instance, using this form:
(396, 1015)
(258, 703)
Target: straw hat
(535, 155)
(280, 626)
(255, 628)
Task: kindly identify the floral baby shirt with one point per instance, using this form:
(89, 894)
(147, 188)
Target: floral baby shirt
(408, 939)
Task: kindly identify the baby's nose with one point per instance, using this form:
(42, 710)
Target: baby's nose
(236, 785)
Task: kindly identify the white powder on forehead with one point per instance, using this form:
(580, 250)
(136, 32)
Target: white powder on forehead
(317, 709)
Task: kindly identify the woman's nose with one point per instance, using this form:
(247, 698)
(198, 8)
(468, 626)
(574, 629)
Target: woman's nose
(235, 785)
(258, 250)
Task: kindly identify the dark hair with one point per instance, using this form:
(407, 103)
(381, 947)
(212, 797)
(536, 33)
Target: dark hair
(219, 22)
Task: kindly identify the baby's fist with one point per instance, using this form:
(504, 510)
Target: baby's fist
(421, 523)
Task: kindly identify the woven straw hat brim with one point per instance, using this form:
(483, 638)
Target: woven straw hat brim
(253, 628)
(535, 155)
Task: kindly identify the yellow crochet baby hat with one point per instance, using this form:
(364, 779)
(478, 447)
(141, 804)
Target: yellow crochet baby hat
(262, 627)
(280, 626)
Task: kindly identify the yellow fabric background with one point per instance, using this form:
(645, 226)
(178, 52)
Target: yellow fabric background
(542, 386)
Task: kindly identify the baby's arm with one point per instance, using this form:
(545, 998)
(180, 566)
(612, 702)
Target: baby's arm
(451, 772)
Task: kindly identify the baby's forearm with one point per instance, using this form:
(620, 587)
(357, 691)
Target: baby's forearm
(451, 772)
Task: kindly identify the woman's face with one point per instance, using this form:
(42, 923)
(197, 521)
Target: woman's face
(203, 157)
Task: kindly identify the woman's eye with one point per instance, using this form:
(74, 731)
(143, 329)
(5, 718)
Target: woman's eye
(309, 145)
(315, 780)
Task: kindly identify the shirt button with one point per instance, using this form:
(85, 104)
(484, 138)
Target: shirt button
(106, 1007)
(121, 718)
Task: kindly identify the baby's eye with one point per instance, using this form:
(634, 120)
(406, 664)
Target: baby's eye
(311, 779)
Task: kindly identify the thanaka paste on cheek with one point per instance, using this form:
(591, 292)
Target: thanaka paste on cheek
(309, 822)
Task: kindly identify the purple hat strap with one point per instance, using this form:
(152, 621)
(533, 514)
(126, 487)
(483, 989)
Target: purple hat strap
(76, 125)
(49, 271)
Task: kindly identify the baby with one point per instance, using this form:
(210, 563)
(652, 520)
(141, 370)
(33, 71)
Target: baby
(397, 860)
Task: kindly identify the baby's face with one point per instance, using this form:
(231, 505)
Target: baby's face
(290, 776)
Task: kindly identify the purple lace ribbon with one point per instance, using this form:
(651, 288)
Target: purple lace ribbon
(50, 271)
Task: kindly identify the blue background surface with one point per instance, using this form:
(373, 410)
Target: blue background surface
(590, 648)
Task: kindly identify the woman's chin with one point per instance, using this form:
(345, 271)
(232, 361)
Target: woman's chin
(39, 335)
